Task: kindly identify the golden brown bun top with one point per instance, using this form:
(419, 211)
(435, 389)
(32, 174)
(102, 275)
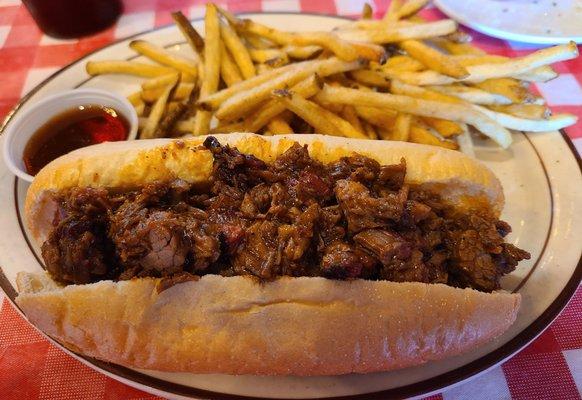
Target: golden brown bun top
(461, 180)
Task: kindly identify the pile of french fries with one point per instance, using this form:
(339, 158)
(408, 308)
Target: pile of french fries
(398, 78)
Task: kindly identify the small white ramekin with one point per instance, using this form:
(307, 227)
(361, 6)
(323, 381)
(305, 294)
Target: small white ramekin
(25, 124)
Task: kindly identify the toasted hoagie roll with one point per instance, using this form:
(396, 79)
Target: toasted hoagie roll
(314, 300)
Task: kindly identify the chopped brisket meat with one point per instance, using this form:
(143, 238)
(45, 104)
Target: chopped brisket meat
(351, 219)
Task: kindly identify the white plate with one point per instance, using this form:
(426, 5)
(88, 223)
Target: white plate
(529, 21)
(543, 186)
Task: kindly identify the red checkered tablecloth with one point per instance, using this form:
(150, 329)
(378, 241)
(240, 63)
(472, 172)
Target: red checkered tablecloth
(32, 368)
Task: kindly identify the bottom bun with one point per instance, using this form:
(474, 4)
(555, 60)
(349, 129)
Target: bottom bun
(291, 326)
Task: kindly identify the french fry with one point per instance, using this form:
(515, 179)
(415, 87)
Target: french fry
(126, 67)
(471, 94)
(165, 80)
(419, 134)
(193, 38)
(529, 111)
(139, 109)
(510, 68)
(399, 33)
(151, 126)
(181, 92)
(457, 48)
(466, 60)
(345, 50)
(349, 114)
(402, 88)
(465, 141)
(213, 101)
(271, 109)
(457, 36)
(445, 128)
(185, 126)
(384, 134)
(367, 12)
(164, 57)
(262, 55)
(258, 42)
(310, 112)
(553, 123)
(172, 115)
(211, 66)
(509, 88)
(135, 99)
(434, 59)
(421, 107)
(322, 120)
(278, 126)
(302, 52)
(369, 130)
(243, 102)
(391, 14)
(402, 63)
(228, 128)
(371, 25)
(262, 68)
(238, 51)
(409, 8)
(401, 129)
(380, 117)
(228, 69)
(371, 78)
(540, 74)
(334, 108)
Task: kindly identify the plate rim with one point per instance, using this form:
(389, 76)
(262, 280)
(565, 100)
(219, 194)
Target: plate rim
(430, 385)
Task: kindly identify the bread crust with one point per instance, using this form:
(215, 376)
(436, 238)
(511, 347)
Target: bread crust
(461, 180)
(291, 326)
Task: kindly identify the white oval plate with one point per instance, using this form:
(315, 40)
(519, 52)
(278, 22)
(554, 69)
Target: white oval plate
(543, 186)
(529, 21)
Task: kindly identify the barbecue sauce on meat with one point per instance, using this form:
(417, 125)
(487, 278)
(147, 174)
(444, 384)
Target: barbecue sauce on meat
(352, 219)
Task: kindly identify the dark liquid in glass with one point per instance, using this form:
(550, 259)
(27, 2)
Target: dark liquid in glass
(67, 19)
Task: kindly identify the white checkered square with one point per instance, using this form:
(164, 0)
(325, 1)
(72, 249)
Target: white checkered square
(197, 12)
(562, 91)
(490, 385)
(281, 5)
(36, 76)
(350, 7)
(574, 360)
(4, 31)
(46, 40)
(134, 23)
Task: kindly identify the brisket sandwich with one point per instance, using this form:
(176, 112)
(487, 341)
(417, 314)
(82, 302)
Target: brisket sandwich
(283, 255)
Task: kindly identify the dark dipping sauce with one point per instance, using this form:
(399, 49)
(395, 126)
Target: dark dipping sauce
(75, 128)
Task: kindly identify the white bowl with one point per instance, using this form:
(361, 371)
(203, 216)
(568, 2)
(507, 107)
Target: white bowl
(26, 123)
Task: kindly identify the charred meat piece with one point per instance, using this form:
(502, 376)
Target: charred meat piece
(78, 251)
(344, 261)
(357, 168)
(154, 241)
(364, 211)
(260, 254)
(385, 246)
